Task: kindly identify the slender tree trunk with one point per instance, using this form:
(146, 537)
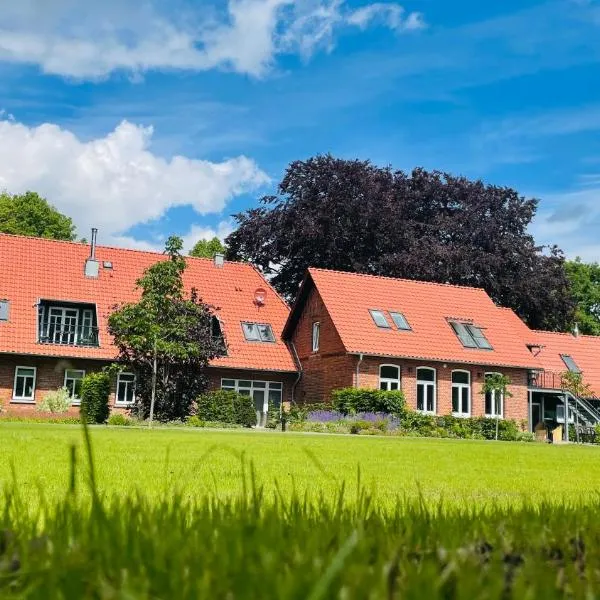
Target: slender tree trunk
(153, 395)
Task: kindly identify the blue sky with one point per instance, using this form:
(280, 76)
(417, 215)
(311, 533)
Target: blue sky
(146, 119)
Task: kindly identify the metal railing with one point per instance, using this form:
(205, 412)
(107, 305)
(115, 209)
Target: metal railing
(68, 335)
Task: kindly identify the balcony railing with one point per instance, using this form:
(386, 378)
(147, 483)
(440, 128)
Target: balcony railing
(545, 380)
(68, 335)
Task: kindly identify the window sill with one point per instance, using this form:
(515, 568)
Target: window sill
(127, 404)
(499, 417)
(76, 403)
(426, 412)
(21, 401)
(461, 415)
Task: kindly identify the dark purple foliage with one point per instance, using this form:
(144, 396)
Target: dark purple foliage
(353, 216)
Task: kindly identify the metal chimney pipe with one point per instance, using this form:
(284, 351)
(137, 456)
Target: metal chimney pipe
(93, 243)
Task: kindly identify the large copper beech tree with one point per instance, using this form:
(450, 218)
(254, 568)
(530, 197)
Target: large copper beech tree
(354, 216)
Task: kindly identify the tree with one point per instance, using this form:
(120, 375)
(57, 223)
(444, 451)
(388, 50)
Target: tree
(585, 284)
(208, 248)
(30, 214)
(170, 330)
(353, 216)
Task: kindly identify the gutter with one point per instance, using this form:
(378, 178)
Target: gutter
(300, 371)
(360, 359)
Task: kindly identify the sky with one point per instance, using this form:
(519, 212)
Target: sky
(158, 117)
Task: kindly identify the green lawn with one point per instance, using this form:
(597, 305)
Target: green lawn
(203, 462)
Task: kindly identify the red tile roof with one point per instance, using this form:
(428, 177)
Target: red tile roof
(584, 349)
(32, 269)
(427, 307)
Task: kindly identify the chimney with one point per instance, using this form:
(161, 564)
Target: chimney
(576, 329)
(219, 260)
(92, 267)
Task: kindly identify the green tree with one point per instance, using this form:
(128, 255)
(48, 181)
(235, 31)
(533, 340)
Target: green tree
(585, 286)
(167, 333)
(30, 214)
(208, 248)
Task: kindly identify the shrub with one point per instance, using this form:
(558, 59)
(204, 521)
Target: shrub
(299, 413)
(227, 407)
(194, 421)
(120, 420)
(95, 391)
(58, 401)
(273, 417)
(356, 400)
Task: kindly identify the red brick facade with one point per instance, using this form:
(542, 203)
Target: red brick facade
(331, 367)
(50, 375)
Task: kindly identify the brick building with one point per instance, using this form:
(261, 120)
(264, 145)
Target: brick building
(435, 342)
(55, 299)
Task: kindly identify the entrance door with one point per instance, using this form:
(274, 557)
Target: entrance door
(536, 415)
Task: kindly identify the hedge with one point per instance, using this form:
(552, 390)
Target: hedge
(356, 400)
(225, 406)
(95, 392)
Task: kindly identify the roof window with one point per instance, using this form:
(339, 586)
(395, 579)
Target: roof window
(470, 335)
(400, 321)
(4, 309)
(380, 319)
(258, 332)
(570, 363)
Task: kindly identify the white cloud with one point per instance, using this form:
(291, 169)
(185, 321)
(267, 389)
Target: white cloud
(115, 182)
(391, 15)
(111, 36)
(199, 232)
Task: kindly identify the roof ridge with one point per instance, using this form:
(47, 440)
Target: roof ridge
(581, 335)
(119, 248)
(389, 277)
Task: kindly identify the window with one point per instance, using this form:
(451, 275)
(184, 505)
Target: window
(426, 391)
(73, 325)
(125, 389)
(24, 385)
(316, 330)
(4, 308)
(389, 377)
(258, 332)
(73, 380)
(470, 335)
(494, 402)
(400, 321)
(380, 319)
(261, 392)
(570, 363)
(461, 393)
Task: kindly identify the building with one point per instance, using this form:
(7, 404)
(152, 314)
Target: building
(436, 342)
(55, 299)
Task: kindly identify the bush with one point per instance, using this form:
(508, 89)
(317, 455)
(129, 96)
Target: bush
(298, 413)
(273, 417)
(58, 401)
(119, 420)
(95, 391)
(356, 400)
(226, 406)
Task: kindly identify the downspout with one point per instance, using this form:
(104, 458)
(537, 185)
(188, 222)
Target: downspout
(360, 359)
(299, 365)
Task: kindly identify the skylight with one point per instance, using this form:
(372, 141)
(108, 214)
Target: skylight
(571, 364)
(380, 319)
(400, 320)
(470, 335)
(258, 332)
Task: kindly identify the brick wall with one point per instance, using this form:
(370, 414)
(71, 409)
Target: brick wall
(50, 376)
(515, 407)
(329, 367)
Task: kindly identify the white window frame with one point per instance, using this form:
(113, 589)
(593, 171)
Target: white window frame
(75, 401)
(389, 380)
(121, 402)
(493, 415)
(61, 312)
(427, 384)
(316, 335)
(24, 399)
(460, 387)
(237, 387)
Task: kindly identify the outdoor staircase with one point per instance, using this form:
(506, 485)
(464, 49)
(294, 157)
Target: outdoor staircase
(586, 417)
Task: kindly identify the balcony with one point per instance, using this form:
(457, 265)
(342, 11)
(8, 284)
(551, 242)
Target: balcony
(545, 380)
(66, 334)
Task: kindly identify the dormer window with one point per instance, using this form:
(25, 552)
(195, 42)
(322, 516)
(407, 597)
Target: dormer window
(69, 324)
(470, 335)
(258, 332)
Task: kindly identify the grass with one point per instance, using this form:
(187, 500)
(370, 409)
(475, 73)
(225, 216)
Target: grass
(206, 514)
(197, 464)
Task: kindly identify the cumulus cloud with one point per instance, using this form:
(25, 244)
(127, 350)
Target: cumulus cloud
(123, 35)
(115, 182)
(199, 232)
